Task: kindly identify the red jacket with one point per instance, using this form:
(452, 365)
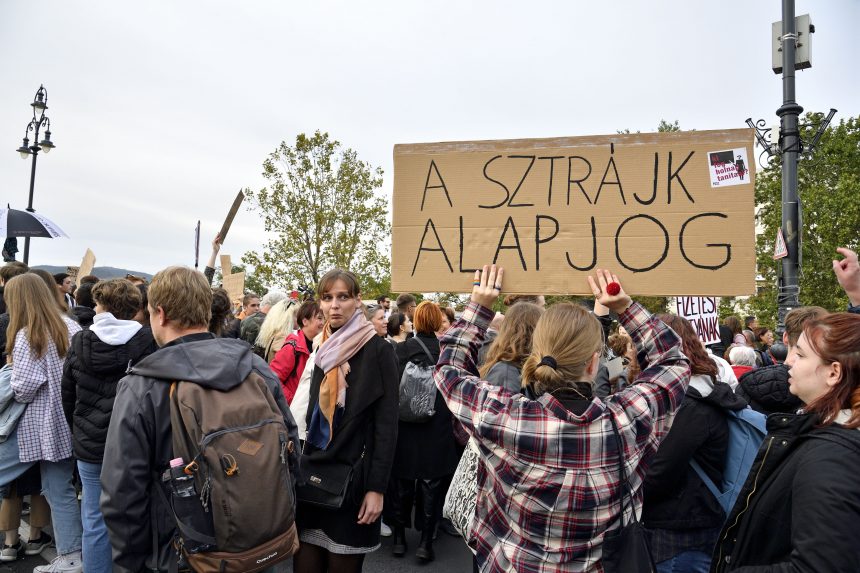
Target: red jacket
(289, 363)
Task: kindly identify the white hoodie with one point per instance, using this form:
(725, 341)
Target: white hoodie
(112, 330)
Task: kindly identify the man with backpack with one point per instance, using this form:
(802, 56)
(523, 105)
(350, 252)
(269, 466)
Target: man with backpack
(201, 455)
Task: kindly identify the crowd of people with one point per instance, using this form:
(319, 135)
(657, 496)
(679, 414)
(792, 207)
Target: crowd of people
(602, 437)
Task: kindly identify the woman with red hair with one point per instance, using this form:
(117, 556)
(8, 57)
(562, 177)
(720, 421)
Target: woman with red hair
(801, 508)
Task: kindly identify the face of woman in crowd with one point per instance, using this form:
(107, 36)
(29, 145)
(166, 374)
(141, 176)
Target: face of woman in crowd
(809, 377)
(379, 322)
(767, 338)
(338, 305)
(406, 327)
(445, 326)
(313, 326)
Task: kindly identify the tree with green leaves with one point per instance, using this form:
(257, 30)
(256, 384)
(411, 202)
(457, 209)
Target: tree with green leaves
(828, 185)
(324, 209)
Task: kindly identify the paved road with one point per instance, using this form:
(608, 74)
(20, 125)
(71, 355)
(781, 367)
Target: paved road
(452, 556)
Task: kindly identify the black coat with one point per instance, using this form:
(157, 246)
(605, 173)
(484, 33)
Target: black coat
(766, 389)
(804, 503)
(369, 420)
(425, 450)
(90, 375)
(83, 315)
(675, 497)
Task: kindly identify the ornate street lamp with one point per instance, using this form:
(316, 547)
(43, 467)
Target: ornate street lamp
(40, 120)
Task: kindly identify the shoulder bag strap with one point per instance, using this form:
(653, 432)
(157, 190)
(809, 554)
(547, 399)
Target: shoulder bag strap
(426, 350)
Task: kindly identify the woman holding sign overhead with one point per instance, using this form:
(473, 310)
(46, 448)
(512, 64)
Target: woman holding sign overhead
(560, 466)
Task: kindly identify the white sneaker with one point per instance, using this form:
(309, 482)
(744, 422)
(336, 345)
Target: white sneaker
(68, 563)
(385, 531)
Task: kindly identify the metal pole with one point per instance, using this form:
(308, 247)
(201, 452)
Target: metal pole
(789, 288)
(35, 150)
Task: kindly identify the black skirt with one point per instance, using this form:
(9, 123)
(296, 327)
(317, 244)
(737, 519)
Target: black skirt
(337, 530)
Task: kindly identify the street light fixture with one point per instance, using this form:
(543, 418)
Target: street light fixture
(40, 120)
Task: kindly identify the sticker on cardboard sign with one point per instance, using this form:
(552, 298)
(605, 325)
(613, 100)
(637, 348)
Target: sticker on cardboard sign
(728, 167)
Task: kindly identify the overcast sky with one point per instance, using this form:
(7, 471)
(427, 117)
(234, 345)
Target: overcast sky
(161, 111)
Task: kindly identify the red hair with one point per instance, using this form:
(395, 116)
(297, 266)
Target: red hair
(836, 338)
(700, 362)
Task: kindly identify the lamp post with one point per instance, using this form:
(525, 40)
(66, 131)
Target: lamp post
(40, 120)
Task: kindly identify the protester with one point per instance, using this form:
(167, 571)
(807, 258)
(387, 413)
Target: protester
(142, 315)
(250, 306)
(222, 322)
(742, 359)
(750, 323)
(140, 527)
(763, 341)
(376, 316)
(505, 358)
(65, 284)
(734, 324)
(84, 309)
(385, 303)
(49, 281)
(280, 322)
(11, 509)
(352, 422)
(209, 269)
(622, 345)
(39, 339)
(7, 271)
(513, 299)
(447, 320)
(251, 325)
(548, 485)
(406, 304)
(682, 515)
(767, 389)
(98, 358)
(800, 511)
(399, 327)
(427, 453)
(291, 359)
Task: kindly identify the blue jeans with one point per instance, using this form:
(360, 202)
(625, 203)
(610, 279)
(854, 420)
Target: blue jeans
(686, 562)
(57, 487)
(96, 545)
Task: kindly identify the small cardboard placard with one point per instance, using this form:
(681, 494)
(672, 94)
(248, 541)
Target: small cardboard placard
(87, 264)
(553, 210)
(234, 285)
(703, 314)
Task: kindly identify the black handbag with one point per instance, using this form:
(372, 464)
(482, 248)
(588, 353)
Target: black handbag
(325, 484)
(626, 549)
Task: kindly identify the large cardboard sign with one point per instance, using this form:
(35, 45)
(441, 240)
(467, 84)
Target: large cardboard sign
(87, 264)
(234, 284)
(670, 213)
(703, 314)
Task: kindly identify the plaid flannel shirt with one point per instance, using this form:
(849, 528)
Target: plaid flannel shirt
(548, 487)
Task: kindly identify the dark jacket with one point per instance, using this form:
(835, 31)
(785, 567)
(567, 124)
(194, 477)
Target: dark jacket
(250, 328)
(4, 324)
(90, 375)
(675, 497)
(83, 315)
(369, 420)
(139, 443)
(766, 389)
(425, 450)
(803, 505)
(507, 375)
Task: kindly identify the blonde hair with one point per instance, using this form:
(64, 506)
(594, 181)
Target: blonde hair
(32, 307)
(514, 341)
(280, 321)
(184, 294)
(569, 334)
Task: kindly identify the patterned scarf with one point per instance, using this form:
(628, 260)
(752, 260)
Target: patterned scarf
(333, 357)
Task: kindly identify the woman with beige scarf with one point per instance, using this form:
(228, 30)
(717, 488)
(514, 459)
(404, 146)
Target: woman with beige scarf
(351, 430)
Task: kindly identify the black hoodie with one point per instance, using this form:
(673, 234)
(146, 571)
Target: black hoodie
(676, 498)
(139, 441)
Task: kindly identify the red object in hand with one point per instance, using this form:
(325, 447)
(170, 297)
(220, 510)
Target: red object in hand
(613, 289)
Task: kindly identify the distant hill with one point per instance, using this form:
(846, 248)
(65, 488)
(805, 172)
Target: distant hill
(101, 272)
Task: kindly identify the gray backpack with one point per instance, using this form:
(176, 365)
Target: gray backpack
(417, 390)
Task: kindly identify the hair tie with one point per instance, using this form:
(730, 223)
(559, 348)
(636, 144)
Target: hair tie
(548, 361)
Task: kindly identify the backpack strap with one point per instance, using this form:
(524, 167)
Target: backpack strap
(712, 487)
(424, 346)
(295, 346)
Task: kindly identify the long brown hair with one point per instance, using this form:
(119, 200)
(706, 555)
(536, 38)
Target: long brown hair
(570, 335)
(836, 338)
(700, 362)
(33, 307)
(514, 342)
